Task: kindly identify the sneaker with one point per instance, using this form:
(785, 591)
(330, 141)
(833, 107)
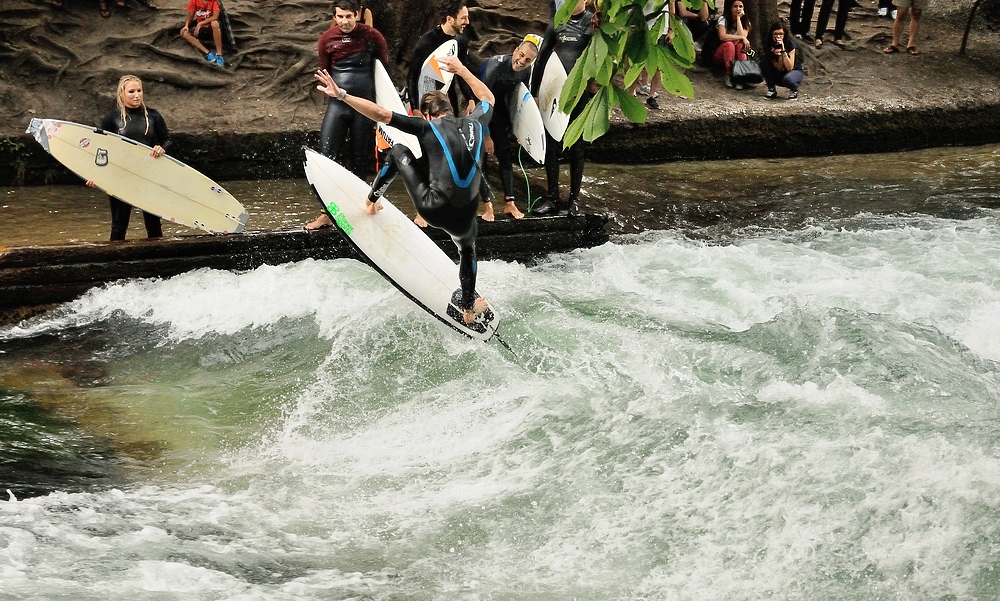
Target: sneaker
(219, 60)
(652, 103)
(644, 89)
(210, 57)
(697, 47)
(545, 208)
(793, 95)
(574, 208)
(771, 93)
(739, 86)
(729, 82)
(883, 11)
(894, 12)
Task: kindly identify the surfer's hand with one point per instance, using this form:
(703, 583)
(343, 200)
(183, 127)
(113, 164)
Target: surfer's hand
(90, 183)
(451, 64)
(489, 144)
(156, 152)
(328, 86)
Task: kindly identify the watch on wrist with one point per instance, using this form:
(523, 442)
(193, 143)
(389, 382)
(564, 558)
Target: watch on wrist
(342, 94)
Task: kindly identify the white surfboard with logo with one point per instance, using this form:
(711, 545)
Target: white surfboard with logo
(123, 168)
(432, 76)
(526, 122)
(395, 246)
(388, 98)
(553, 78)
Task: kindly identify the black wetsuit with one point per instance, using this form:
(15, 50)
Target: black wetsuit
(146, 127)
(350, 59)
(567, 42)
(445, 183)
(426, 45)
(500, 77)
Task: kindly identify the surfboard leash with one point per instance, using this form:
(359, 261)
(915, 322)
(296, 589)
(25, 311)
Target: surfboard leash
(504, 343)
(527, 184)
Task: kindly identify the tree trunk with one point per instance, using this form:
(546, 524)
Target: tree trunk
(762, 14)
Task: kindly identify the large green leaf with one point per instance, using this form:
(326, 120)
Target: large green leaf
(599, 121)
(633, 110)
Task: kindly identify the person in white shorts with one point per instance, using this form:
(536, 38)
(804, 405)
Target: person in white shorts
(903, 7)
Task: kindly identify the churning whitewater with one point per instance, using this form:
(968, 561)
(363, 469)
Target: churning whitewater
(790, 415)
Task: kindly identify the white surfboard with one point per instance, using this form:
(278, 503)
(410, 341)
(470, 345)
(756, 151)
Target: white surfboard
(526, 122)
(432, 76)
(395, 246)
(123, 168)
(387, 97)
(553, 79)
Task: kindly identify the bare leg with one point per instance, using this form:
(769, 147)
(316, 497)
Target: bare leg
(914, 29)
(420, 221)
(320, 222)
(217, 37)
(373, 207)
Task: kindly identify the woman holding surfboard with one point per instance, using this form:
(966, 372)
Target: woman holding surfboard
(134, 120)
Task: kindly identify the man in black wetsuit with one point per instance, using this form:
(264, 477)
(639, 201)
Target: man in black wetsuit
(567, 42)
(502, 74)
(445, 183)
(348, 51)
(454, 19)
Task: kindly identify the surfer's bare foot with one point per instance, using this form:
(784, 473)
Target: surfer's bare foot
(478, 307)
(373, 207)
(488, 211)
(420, 221)
(320, 222)
(512, 210)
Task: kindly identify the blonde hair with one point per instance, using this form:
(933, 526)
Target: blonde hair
(120, 97)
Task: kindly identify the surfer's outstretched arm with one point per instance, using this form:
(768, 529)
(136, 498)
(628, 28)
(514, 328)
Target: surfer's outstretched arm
(479, 89)
(365, 107)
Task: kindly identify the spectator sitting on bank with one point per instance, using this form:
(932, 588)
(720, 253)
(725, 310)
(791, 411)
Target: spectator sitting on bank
(902, 8)
(203, 23)
(782, 66)
(696, 22)
(734, 38)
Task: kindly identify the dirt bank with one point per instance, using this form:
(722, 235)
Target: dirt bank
(64, 63)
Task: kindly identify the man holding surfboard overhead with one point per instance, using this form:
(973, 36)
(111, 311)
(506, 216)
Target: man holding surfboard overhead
(502, 74)
(454, 19)
(446, 182)
(348, 51)
(567, 43)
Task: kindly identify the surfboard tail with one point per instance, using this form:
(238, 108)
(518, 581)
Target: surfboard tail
(37, 129)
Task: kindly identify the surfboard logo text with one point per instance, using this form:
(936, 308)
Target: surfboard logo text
(339, 218)
(101, 158)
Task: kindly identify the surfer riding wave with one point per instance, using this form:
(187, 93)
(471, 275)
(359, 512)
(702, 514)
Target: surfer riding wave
(446, 182)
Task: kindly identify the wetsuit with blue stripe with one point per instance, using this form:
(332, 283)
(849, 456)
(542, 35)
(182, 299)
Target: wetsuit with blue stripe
(446, 182)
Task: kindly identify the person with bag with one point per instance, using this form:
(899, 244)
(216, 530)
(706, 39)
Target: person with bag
(782, 66)
(734, 40)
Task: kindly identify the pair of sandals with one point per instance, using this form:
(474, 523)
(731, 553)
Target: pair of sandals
(838, 43)
(893, 49)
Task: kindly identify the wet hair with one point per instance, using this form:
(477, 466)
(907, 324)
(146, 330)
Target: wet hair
(351, 5)
(450, 8)
(120, 98)
(435, 104)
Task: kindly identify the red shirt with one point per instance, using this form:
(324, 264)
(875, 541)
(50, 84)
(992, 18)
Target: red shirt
(335, 45)
(202, 9)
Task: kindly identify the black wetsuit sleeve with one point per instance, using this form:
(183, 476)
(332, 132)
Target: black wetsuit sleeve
(463, 56)
(110, 122)
(544, 52)
(409, 125)
(160, 134)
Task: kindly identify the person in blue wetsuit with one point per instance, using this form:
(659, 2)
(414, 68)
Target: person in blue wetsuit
(565, 43)
(133, 120)
(502, 74)
(446, 182)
